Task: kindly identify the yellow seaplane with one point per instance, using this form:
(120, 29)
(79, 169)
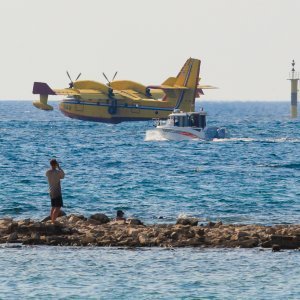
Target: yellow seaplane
(124, 100)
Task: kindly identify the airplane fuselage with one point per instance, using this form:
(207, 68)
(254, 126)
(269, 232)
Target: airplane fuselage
(115, 110)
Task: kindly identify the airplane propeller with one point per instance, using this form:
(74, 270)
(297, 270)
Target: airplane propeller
(71, 84)
(109, 81)
(115, 76)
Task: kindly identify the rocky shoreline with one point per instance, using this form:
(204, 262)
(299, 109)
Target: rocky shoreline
(99, 230)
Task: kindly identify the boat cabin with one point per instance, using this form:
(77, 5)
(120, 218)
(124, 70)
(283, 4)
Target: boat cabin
(190, 119)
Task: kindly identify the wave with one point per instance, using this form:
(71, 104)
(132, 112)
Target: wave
(294, 165)
(266, 140)
(282, 140)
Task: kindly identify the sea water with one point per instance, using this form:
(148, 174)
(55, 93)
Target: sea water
(252, 177)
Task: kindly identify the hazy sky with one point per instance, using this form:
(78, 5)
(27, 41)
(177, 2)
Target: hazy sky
(245, 46)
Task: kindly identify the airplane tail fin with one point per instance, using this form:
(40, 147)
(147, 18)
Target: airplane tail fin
(182, 90)
(189, 74)
(188, 77)
(170, 81)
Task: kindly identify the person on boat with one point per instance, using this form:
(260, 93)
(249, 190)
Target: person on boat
(176, 121)
(120, 216)
(54, 175)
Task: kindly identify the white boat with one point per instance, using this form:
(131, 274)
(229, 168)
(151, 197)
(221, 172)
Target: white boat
(185, 126)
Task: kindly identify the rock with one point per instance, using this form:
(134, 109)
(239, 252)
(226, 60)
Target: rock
(104, 242)
(74, 218)
(92, 222)
(270, 230)
(12, 227)
(57, 240)
(66, 230)
(35, 236)
(88, 240)
(218, 224)
(134, 222)
(199, 231)
(100, 218)
(187, 221)
(276, 248)
(22, 229)
(143, 239)
(78, 216)
(5, 221)
(12, 237)
(117, 222)
(76, 230)
(241, 234)
(194, 242)
(190, 234)
(61, 214)
(133, 231)
(282, 238)
(52, 229)
(46, 219)
(37, 227)
(174, 235)
(211, 224)
(26, 221)
(248, 243)
(284, 242)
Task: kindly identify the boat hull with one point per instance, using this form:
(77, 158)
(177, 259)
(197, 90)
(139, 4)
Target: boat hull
(174, 133)
(180, 133)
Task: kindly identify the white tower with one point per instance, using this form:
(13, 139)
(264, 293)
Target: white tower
(294, 78)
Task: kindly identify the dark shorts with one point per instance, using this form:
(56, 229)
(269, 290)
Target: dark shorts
(57, 202)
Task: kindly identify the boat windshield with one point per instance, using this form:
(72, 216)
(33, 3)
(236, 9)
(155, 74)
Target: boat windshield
(159, 122)
(198, 120)
(187, 120)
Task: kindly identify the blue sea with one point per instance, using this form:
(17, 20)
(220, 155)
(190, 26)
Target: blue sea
(250, 178)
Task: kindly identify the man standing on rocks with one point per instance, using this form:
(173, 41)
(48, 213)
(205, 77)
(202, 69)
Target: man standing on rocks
(54, 175)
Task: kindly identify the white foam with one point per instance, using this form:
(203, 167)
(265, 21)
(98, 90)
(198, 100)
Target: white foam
(154, 135)
(282, 140)
(235, 140)
(182, 216)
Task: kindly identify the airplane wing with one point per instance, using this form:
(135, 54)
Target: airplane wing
(66, 92)
(200, 89)
(130, 94)
(207, 87)
(131, 87)
(167, 87)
